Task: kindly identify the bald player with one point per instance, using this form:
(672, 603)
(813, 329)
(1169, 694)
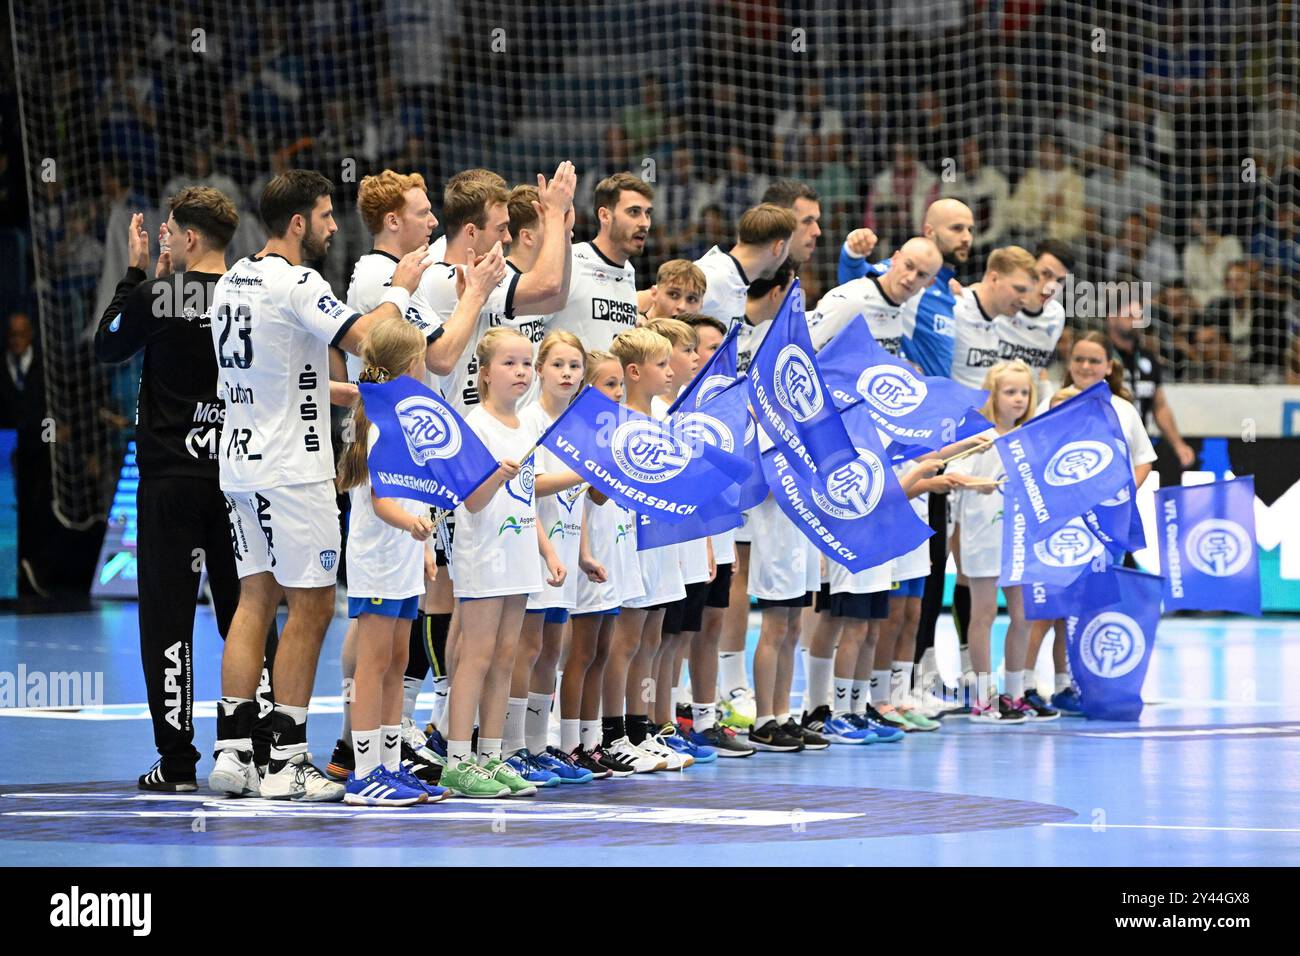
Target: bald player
(878, 298)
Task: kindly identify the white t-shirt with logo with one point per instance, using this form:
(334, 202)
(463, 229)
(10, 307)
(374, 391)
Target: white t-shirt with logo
(383, 561)
(980, 516)
(272, 326)
(727, 290)
(496, 549)
(602, 298)
(560, 515)
(976, 341)
(864, 297)
(611, 537)
(372, 277)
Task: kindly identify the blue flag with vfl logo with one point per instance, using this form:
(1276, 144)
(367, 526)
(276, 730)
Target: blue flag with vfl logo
(857, 515)
(971, 424)
(1056, 560)
(1047, 602)
(1207, 546)
(425, 451)
(721, 421)
(790, 398)
(718, 374)
(1110, 640)
(924, 411)
(1065, 461)
(647, 465)
(1116, 522)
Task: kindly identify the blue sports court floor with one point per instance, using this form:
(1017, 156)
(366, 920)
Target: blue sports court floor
(1210, 776)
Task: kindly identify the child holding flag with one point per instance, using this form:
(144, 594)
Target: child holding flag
(387, 566)
(978, 517)
(497, 542)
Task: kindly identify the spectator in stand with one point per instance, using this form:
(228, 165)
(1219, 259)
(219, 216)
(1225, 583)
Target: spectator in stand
(1251, 324)
(899, 196)
(1144, 379)
(935, 131)
(710, 230)
(809, 117)
(1118, 187)
(1210, 359)
(1277, 244)
(22, 407)
(985, 190)
(871, 129)
(1206, 257)
(1143, 253)
(741, 188)
(1275, 129)
(1175, 316)
(1048, 199)
(643, 123)
(250, 236)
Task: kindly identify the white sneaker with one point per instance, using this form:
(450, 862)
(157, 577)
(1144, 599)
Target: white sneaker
(656, 748)
(928, 705)
(411, 734)
(235, 776)
(299, 779)
(641, 761)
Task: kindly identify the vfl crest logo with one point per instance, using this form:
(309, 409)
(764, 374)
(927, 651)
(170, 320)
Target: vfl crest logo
(645, 452)
(1218, 547)
(712, 386)
(1119, 499)
(1068, 547)
(854, 490)
(892, 390)
(520, 487)
(1078, 461)
(570, 497)
(796, 384)
(328, 559)
(429, 428)
(697, 427)
(1112, 645)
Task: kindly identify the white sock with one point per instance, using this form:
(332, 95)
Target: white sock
(900, 679)
(392, 748)
(860, 695)
(820, 671)
(762, 720)
(1031, 679)
(879, 687)
(458, 750)
(731, 672)
(441, 688)
(489, 748)
(513, 738)
(589, 734)
(1062, 683)
(410, 691)
(843, 703)
(682, 694)
(783, 719)
(984, 690)
(703, 716)
(570, 735)
(349, 694)
(1015, 684)
(365, 747)
(537, 721)
(672, 703)
(803, 664)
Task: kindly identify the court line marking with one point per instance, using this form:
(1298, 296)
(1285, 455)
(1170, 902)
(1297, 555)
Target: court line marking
(1101, 827)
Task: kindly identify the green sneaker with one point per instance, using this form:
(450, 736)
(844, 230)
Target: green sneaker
(502, 773)
(738, 712)
(890, 717)
(468, 779)
(918, 720)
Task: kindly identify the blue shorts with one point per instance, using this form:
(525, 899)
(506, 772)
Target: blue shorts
(608, 612)
(554, 615)
(406, 608)
(914, 588)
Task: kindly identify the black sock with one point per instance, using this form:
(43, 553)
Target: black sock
(417, 660)
(961, 611)
(436, 646)
(611, 729)
(236, 725)
(638, 728)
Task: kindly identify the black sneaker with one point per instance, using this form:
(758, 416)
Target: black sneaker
(685, 716)
(816, 721)
(583, 759)
(424, 771)
(616, 765)
(1035, 708)
(722, 739)
(811, 739)
(155, 781)
(773, 737)
(342, 762)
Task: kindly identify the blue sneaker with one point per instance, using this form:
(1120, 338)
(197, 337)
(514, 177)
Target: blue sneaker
(560, 764)
(436, 742)
(379, 788)
(674, 738)
(408, 777)
(527, 766)
(881, 733)
(839, 731)
(1068, 702)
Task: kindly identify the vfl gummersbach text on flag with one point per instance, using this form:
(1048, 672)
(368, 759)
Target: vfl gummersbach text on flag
(1208, 550)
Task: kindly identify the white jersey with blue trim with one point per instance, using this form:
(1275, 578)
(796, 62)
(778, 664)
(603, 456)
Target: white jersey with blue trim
(727, 288)
(1032, 336)
(372, 277)
(602, 298)
(272, 326)
(976, 340)
(865, 297)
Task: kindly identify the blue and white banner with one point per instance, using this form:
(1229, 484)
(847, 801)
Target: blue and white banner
(912, 409)
(647, 465)
(971, 424)
(719, 373)
(858, 515)
(1116, 522)
(721, 421)
(425, 451)
(1065, 461)
(790, 397)
(1207, 546)
(1057, 559)
(1110, 641)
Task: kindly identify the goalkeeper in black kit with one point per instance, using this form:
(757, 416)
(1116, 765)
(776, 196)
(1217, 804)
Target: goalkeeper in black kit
(181, 512)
